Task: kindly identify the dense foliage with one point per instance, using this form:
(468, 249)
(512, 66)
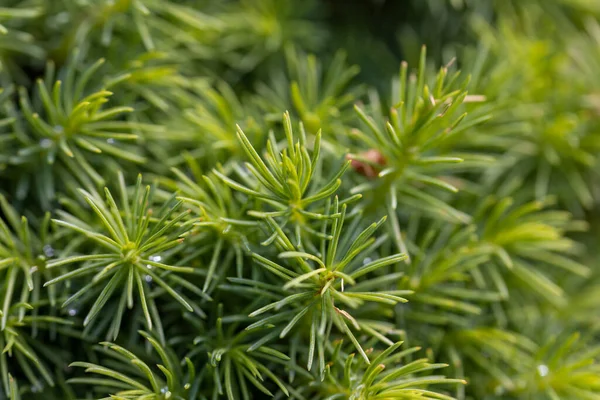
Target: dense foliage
(246, 199)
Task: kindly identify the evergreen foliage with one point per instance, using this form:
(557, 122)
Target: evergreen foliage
(250, 199)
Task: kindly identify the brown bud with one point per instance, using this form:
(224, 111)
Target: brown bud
(370, 169)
